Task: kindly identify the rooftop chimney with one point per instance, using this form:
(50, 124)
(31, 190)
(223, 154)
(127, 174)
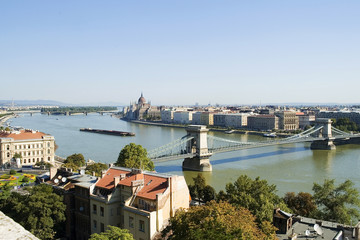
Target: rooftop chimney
(116, 181)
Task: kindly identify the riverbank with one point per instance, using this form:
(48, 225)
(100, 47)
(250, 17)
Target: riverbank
(217, 129)
(5, 118)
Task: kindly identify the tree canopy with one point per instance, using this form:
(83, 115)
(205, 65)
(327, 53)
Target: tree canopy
(200, 190)
(337, 203)
(344, 124)
(113, 233)
(74, 161)
(215, 221)
(302, 204)
(256, 195)
(97, 168)
(41, 212)
(134, 156)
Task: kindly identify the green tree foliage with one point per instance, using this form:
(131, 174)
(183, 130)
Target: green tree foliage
(4, 194)
(200, 190)
(135, 156)
(344, 124)
(302, 204)
(256, 195)
(337, 203)
(41, 212)
(62, 110)
(76, 158)
(17, 155)
(70, 165)
(214, 221)
(25, 179)
(97, 168)
(12, 172)
(42, 163)
(113, 233)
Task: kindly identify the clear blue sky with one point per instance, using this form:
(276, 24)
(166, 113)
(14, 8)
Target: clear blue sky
(181, 52)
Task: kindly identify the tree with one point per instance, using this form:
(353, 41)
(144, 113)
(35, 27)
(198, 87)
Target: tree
(134, 156)
(214, 221)
(45, 164)
(256, 195)
(302, 204)
(25, 179)
(97, 168)
(70, 165)
(12, 172)
(40, 212)
(200, 190)
(113, 233)
(76, 158)
(337, 203)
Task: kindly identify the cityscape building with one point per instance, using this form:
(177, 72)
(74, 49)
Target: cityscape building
(287, 120)
(141, 202)
(33, 146)
(263, 122)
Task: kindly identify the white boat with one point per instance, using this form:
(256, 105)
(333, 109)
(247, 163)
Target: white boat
(269, 135)
(230, 131)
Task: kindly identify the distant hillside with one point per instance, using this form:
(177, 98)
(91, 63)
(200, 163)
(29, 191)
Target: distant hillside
(31, 103)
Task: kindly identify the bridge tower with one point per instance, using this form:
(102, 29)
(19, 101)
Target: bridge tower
(198, 146)
(325, 132)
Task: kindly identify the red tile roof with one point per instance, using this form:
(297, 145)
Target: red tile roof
(152, 184)
(23, 135)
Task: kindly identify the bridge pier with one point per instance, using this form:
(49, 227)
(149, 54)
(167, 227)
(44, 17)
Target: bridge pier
(198, 146)
(327, 144)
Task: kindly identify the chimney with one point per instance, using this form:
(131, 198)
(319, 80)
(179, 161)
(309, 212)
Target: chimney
(139, 176)
(103, 173)
(357, 231)
(53, 171)
(116, 181)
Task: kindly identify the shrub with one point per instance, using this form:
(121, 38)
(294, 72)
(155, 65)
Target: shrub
(12, 172)
(25, 179)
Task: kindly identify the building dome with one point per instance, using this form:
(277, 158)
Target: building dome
(141, 100)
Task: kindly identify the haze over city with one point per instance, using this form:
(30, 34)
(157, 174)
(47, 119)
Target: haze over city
(180, 52)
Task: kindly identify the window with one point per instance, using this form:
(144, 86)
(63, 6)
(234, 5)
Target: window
(141, 226)
(102, 227)
(111, 212)
(48, 144)
(7, 147)
(8, 155)
(94, 224)
(131, 222)
(94, 208)
(101, 211)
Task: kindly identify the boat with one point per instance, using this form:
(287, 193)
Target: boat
(109, 132)
(229, 131)
(269, 135)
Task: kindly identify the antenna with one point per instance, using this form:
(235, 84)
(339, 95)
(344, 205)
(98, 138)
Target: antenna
(318, 229)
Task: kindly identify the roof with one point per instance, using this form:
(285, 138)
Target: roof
(23, 135)
(153, 183)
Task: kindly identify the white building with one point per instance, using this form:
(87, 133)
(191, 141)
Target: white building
(33, 146)
(167, 116)
(183, 117)
(236, 120)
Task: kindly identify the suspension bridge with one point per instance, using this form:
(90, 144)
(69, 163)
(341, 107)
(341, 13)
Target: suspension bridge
(196, 147)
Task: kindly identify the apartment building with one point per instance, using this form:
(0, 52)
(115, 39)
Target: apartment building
(305, 119)
(33, 146)
(183, 117)
(139, 201)
(236, 120)
(263, 122)
(167, 116)
(352, 115)
(288, 120)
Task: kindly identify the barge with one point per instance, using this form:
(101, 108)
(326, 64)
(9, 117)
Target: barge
(109, 132)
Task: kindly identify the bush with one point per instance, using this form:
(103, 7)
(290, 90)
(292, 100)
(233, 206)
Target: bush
(25, 179)
(12, 172)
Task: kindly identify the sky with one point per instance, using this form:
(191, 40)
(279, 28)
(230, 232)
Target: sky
(180, 52)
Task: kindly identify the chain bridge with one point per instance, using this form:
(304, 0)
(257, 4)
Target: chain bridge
(197, 146)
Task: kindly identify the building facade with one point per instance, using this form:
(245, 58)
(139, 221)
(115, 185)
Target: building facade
(236, 120)
(305, 120)
(353, 116)
(33, 146)
(288, 120)
(183, 117)
(263, 122)
(167, 116)
(141, 202)
(141, 110)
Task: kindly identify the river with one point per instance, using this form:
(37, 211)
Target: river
(292, 167)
